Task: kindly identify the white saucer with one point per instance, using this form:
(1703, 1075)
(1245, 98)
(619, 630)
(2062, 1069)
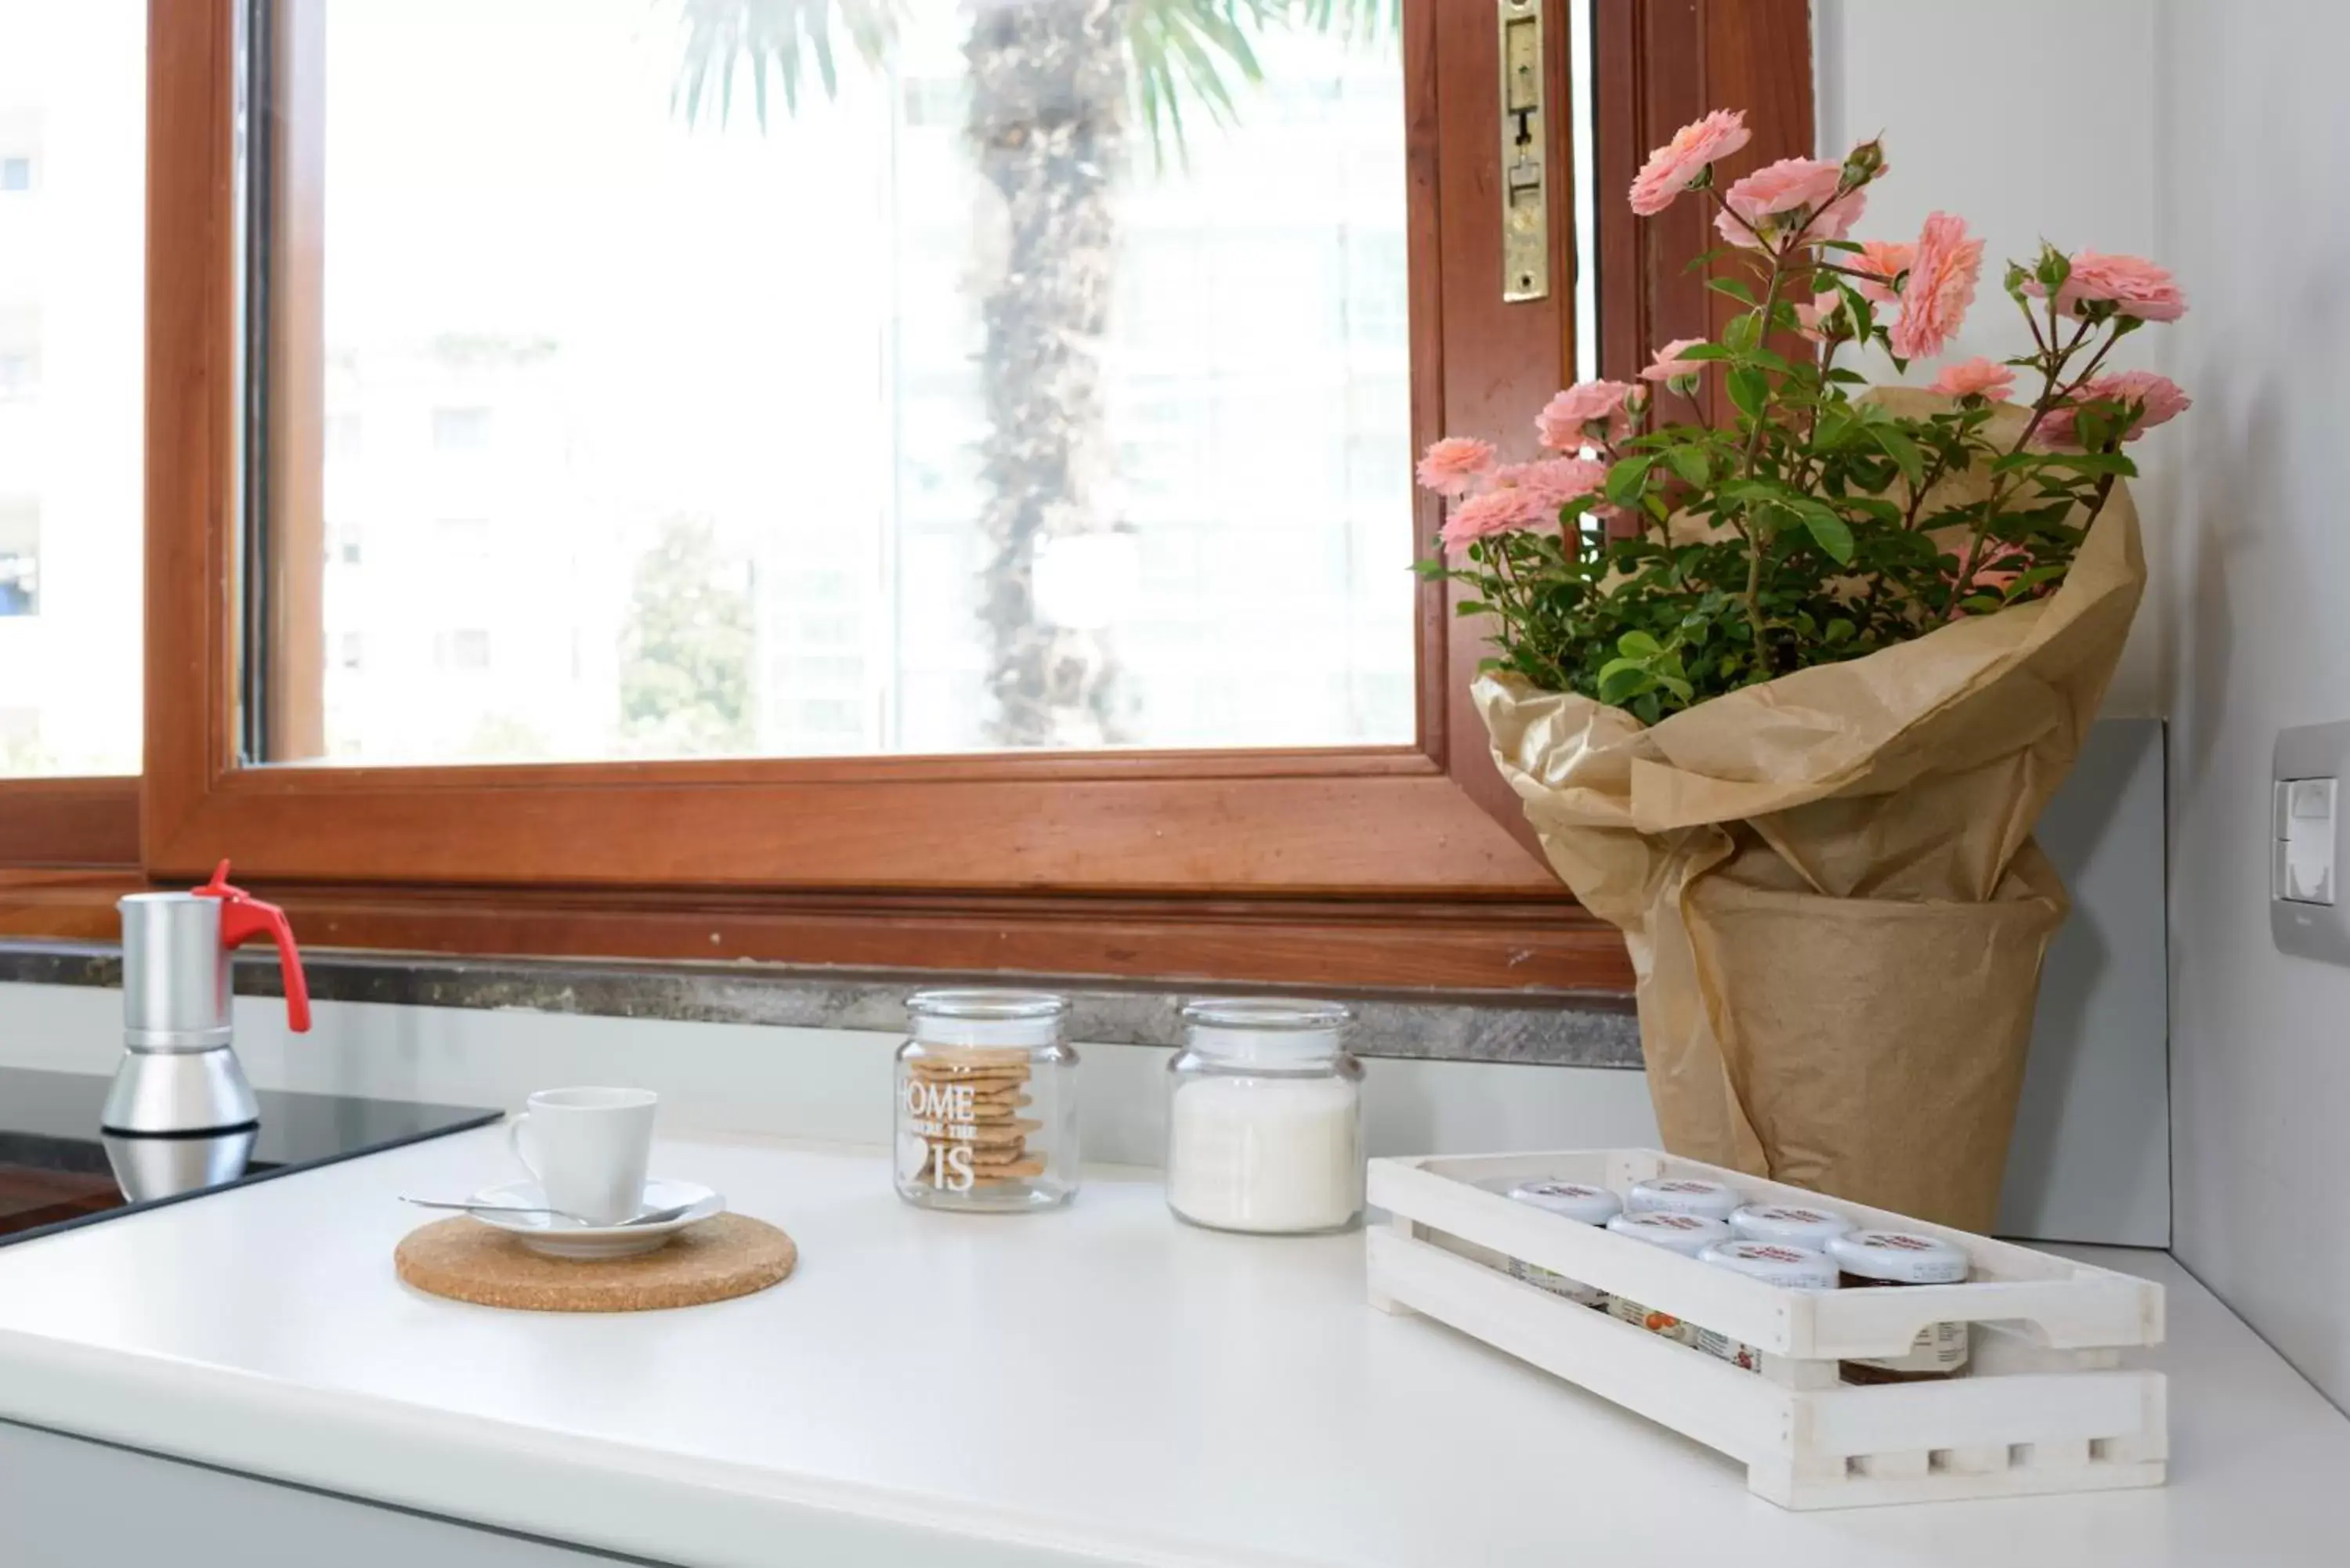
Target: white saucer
(560, 1238)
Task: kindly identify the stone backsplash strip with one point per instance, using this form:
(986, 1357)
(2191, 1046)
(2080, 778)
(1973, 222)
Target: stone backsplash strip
(1561, 1031)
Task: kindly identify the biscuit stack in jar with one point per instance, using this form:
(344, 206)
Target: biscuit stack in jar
(975, 1129)
(987, 1102)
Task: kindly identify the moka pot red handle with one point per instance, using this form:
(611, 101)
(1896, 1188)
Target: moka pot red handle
(243, 918)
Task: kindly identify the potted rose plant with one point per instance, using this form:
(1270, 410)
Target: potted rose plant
(1784, 692)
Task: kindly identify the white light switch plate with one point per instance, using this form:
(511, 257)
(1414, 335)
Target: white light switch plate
(2307, 914)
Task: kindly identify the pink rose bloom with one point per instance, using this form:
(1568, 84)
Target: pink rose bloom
(1693, 149)
(1500, 511)
(1824, 306)
(2162, 396)
(1454, 464)
(1976, 377)
(2135, 286)
(1887, 259)
(1564, 423)
(1669, 364)
(1791, 183)
(1942, 277)
(1552, 481)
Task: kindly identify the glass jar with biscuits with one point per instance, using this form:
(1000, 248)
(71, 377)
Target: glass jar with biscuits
(986, 1105)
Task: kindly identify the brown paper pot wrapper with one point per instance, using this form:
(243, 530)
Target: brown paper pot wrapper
(1836, 910)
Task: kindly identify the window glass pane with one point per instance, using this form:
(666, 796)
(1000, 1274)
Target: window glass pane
(938, 412)
(72, 220)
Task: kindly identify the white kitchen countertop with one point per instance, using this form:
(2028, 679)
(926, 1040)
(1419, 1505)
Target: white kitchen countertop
(1097, 1385)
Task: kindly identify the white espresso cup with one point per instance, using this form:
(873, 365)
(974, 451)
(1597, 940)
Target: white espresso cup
(588, 1148)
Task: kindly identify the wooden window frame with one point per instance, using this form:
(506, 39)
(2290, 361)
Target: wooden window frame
(1369, 866)
(1659, 64)
(59, 823)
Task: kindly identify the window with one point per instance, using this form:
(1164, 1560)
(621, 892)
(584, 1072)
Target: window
(20, 561)
(777, 406)
(460, 539)
(72, 97)
(1009, 582)
(460, 429)
(20, 375)
(930, 102)
(467, 647)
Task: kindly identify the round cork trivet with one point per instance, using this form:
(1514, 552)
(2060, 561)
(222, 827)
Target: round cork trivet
(724, 1256)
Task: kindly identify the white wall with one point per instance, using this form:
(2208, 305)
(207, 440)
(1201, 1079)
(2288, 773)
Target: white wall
(2253, 139)
(830, 1085)
(2026, 118)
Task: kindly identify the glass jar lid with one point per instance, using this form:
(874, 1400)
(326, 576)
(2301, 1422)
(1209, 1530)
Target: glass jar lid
(1898, 1258)
(1266, 1029)
(985, 1017)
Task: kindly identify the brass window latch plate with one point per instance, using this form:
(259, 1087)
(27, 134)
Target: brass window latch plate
(1526, 159)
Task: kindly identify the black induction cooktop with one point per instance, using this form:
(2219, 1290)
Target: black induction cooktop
(58, 1170)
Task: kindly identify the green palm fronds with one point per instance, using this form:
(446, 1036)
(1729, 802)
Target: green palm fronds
(1358, 21)
(771, 35)
(1180, 47)
(1177, 49)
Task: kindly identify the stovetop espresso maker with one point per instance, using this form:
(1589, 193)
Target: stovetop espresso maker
(179, 1072)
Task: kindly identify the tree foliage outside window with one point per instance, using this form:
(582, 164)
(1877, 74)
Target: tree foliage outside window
(686, 653)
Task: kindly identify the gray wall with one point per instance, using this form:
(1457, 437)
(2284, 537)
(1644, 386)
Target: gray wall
(2091, 1155)
(1976, 99)
(2255, 139)
(2091, 1160)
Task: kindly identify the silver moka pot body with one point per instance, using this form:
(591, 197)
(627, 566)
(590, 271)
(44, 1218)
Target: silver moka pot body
(179, 1071)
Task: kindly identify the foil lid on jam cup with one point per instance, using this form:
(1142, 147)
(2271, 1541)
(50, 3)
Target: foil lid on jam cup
(1776, 1263)
(1687, 1234)
(1575, 1199)
(1898, 1258)
(1684, 1195)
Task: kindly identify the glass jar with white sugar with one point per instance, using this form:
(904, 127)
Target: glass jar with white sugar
(1264, 1123)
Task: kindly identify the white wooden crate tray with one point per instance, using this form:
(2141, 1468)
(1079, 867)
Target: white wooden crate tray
(2044, 1407)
